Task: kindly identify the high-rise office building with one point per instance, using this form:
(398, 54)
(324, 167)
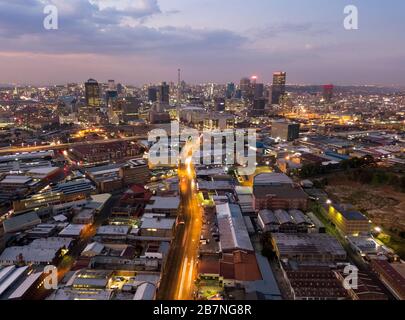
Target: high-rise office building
(258, 109)
(152, 94)
(285, 131)
(230, 90)
(92, 93)
(110, 97)
(111, 85)
(111, 93)
(328, 92)
(120, 88)
(278, 88)
(238, 94)
(245, 87)
(219, 104)
(164, 93)
(259, 90)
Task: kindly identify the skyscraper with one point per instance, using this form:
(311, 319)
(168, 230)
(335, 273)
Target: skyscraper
(152, 94)
(258, 109)
(219, 104)
(259, 90)
(278, 88)
(111, 85)
(230, 90)
(120, 88)
(285, 131)
(111, 93)
(111, 96)
(92, 93)
(164, 93)
(245, 87)
(328, 92)
(179, 88)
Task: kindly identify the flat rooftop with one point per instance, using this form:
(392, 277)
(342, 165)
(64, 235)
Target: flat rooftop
(21, 221)
(104, 169)
(349, 213)
(272, 178)
(72, 230)
(43, 170)
(16, 180)
(170, 203)
(156, 223)
(283, 191)
(113, 230)
(315, 244)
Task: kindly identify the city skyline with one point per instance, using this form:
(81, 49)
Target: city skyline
(146, 41)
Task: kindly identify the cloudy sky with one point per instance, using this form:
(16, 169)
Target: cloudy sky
(142, 41)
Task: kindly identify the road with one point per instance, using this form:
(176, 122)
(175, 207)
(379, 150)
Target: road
(181, 267)
(63, 146)
(69, 259)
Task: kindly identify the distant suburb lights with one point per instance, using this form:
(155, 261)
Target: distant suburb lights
(350, 22)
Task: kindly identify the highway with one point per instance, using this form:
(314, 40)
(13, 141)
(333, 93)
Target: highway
(64, 146)
(181, 267)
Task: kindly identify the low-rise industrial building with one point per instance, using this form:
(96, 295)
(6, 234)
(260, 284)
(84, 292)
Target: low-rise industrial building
(21, 222)
(277, 191)
(40, 251)
(348, 220)
(314, 247)
(157, 227)
(163, 206)
(392, 275)
(279, 220)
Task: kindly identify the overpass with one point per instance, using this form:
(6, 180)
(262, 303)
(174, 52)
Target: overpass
(64, 146)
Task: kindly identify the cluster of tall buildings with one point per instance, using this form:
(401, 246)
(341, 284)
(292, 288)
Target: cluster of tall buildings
(256, 97)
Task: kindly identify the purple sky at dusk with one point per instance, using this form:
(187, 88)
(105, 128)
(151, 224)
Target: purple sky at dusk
(142, 41)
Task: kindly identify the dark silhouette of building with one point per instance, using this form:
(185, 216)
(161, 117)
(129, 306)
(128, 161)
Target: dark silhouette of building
(328, 92)
(238, 94)
(219, 104)
(164, 93)
(230, 90)
(245, 87)
(258, 109)
(285, 131)
(278, 89)
(259, 90)
(152, 94)
(92, 93)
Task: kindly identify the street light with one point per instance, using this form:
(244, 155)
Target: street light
(329, 201)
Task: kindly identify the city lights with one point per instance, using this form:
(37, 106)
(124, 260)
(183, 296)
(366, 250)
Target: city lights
(202, 151)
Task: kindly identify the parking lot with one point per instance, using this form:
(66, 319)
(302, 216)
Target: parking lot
(209, 242)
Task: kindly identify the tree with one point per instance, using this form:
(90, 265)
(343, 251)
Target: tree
(268, 249)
